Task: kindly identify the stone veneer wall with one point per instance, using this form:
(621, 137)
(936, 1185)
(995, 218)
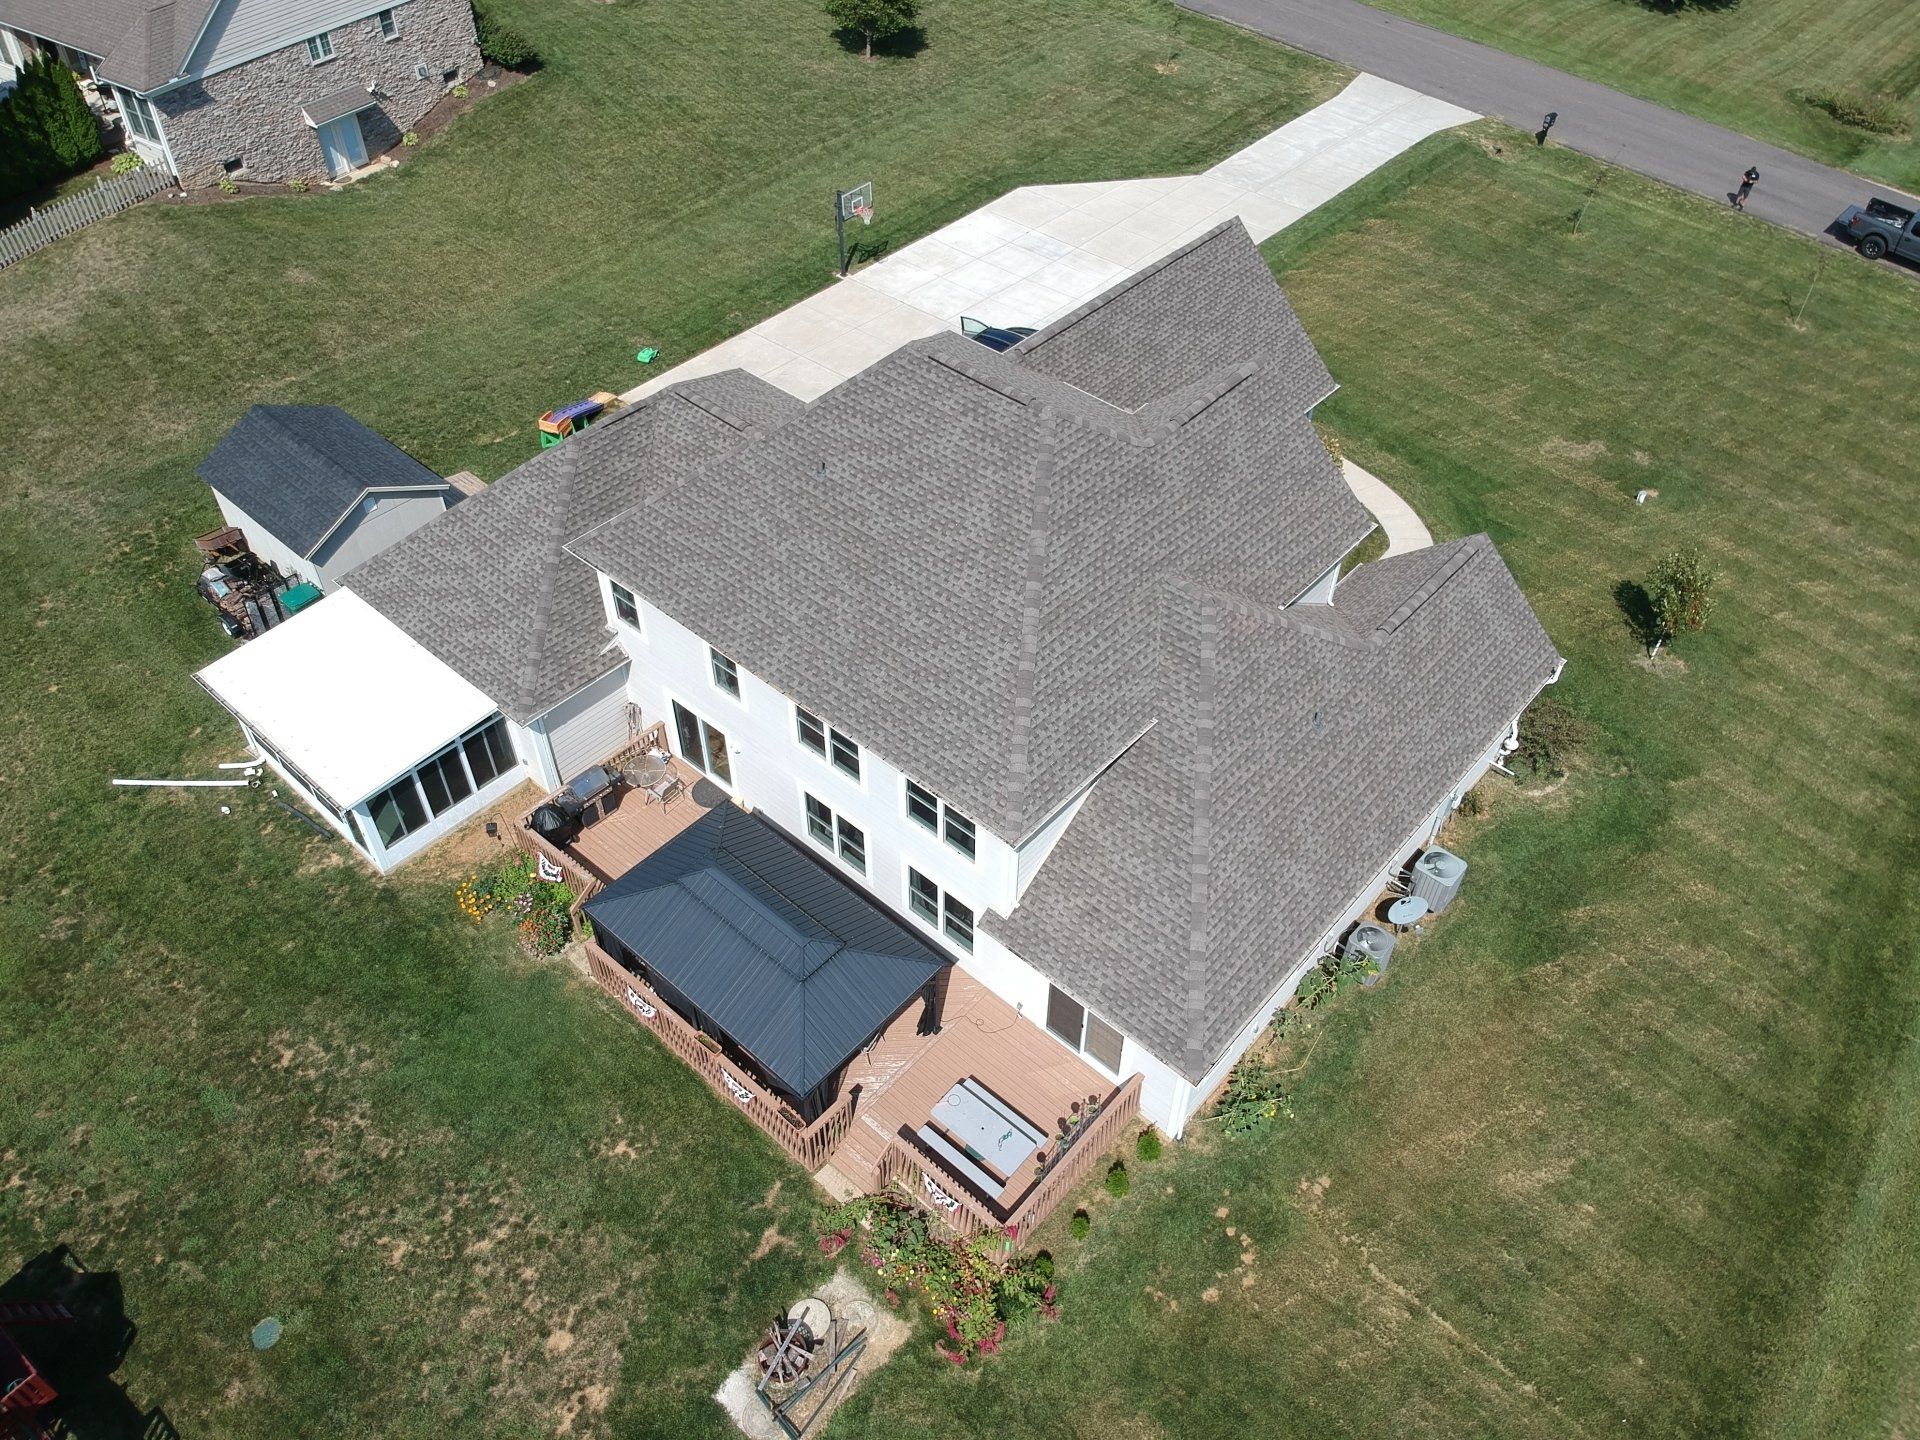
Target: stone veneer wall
(253, 110)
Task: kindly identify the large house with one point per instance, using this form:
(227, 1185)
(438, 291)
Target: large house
(1044, 657)
(261, 90)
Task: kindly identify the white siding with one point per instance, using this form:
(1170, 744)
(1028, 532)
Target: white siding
(772, 771)
(266, 545)
(588, 726)
(243, 30)
(376, 522)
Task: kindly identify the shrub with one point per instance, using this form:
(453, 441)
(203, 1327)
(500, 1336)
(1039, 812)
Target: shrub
(1470, 804)
(1253, 1100)
(1118, 1181)
(1878, 114)
(1681, 592)
(501, 44)
(410, 139)
(1147, 1147)
(298, 187)
(1080, 1224)
(1550, 734)
(126, 162)
(46, 130)
(544, 932)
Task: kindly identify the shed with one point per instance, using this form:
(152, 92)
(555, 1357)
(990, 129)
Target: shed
(316, 492)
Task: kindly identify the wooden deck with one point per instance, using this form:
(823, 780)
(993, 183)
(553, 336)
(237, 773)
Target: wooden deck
(617, 842)
(904, 1075)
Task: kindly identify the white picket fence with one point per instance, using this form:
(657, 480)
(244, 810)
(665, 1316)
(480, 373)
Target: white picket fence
(63, 217)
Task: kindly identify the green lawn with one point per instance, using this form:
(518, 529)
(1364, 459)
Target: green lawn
(254, 1081)
(1629, 1144)
(1745, 67)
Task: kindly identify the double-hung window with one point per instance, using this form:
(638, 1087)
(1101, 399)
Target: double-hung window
(942, 912)
(625, 607)
(389, 26)
(836, 833)
(827, 742)
(726, 675)
(1082, 1029)
(319, 47)
(935, 815)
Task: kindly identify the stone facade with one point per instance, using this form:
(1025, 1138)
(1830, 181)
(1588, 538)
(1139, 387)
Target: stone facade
(253, 111)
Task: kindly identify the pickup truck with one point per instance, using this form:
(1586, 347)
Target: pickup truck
(1882, 226)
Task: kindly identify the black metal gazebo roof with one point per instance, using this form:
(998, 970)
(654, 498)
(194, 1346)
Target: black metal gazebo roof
(793, 964)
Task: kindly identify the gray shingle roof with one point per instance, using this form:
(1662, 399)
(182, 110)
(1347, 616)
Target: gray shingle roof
(140, 43)
(488, 586)
(953, 556)
(788, 960)
(1293, 751)
(298, 468)
(337, 103)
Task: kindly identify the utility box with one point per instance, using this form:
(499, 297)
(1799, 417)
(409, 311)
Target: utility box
(1437, 877)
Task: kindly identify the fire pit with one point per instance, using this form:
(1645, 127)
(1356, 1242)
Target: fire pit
(786, 1352)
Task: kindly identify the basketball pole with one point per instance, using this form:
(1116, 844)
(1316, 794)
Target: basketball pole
(840, 227)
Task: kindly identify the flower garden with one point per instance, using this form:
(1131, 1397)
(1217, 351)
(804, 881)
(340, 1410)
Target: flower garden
(541, 910)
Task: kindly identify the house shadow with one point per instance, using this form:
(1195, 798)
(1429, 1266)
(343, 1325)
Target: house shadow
(1636, 609)
(78, 1357)
(901, 45)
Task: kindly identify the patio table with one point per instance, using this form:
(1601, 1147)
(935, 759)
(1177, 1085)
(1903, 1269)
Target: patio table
(990, 1131)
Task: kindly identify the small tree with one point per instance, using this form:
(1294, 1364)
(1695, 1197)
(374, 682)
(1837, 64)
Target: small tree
(72, 133)
(874, 19)
(1681, 594)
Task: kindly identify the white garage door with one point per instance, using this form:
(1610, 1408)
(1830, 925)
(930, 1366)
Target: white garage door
(588, 727)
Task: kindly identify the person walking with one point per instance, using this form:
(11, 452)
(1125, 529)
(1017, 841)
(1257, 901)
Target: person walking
(1747, 182)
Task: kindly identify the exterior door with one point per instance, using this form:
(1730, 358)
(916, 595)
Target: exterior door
(343, 145)
(701, 744)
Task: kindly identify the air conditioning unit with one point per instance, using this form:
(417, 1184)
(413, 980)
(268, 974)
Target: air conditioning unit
(1371, 942)
(1437, 877)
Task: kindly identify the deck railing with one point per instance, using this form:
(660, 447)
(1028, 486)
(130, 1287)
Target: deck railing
(585, 881)
(809, 1144)
(943, 1193)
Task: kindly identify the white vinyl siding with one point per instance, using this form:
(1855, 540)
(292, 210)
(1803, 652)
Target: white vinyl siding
(243, 30)
(589, 726)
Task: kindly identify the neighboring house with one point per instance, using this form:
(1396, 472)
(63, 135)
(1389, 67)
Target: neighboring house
(1045, 654)
(316, 492)
(262, 90)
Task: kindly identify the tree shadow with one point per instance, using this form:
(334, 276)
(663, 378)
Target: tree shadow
(78, 1356)
(1636, 608)
(1676, 7)
(901, 45)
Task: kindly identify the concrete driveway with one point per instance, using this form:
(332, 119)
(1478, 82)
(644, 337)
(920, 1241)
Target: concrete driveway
(1039, 251)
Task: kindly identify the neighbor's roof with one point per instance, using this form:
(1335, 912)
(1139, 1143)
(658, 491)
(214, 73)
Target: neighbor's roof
(789, 961)
(140, 43)
(345, 697)
(1295, 750)
(488, 586)
(298, 469)
(954, 556)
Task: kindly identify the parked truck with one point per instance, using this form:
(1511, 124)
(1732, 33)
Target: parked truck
(1882, 227)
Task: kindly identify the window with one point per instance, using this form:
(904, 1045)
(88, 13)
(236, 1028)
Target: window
(319, 48)
(928, 809)
(725, 673)
(923, 897)
(827, 742)
(942, 912)
(959, 920)
(813, 734)
(397, 811)
(624, 606)
(389, 27)
(837, 834)
(702, 745)
(138, 112)
(1082, 1029)
(441, 782)
(234, 165)
(489, 751)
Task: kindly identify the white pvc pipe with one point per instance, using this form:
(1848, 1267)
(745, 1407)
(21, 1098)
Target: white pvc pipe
(239, 764)
(190, 784)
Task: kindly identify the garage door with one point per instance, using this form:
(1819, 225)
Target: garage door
(590, 726)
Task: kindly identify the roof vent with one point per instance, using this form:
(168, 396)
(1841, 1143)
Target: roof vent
(1437, 877)
(1319, 726)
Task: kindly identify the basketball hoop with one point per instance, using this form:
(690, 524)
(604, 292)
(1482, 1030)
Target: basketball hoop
(865, 214)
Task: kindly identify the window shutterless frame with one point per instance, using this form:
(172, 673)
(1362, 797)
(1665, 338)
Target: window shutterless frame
(319, 47)
(726, 675)
(810, 730)
(389, 26)
(923, 897)
(625, 608)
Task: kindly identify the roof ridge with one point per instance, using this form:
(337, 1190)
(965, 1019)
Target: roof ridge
(1464, 553)
(552, 545)
(1200, 833)
(1033, 588)
(1106, 297)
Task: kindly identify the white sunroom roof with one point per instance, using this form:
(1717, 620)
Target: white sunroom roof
(345, 696)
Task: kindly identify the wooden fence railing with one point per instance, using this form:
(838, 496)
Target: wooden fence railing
(938, 1189)
(109, 197)
(811, 1144)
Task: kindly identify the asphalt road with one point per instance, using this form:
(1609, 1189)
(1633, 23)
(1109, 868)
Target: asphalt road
(1690, 154)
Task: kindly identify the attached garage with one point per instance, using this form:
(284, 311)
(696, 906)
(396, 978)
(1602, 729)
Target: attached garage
(588, 726)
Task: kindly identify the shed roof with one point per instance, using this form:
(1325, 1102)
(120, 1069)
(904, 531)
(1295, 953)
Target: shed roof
(794, 965)
(336, 104)
(345, 696)
(298, 469)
